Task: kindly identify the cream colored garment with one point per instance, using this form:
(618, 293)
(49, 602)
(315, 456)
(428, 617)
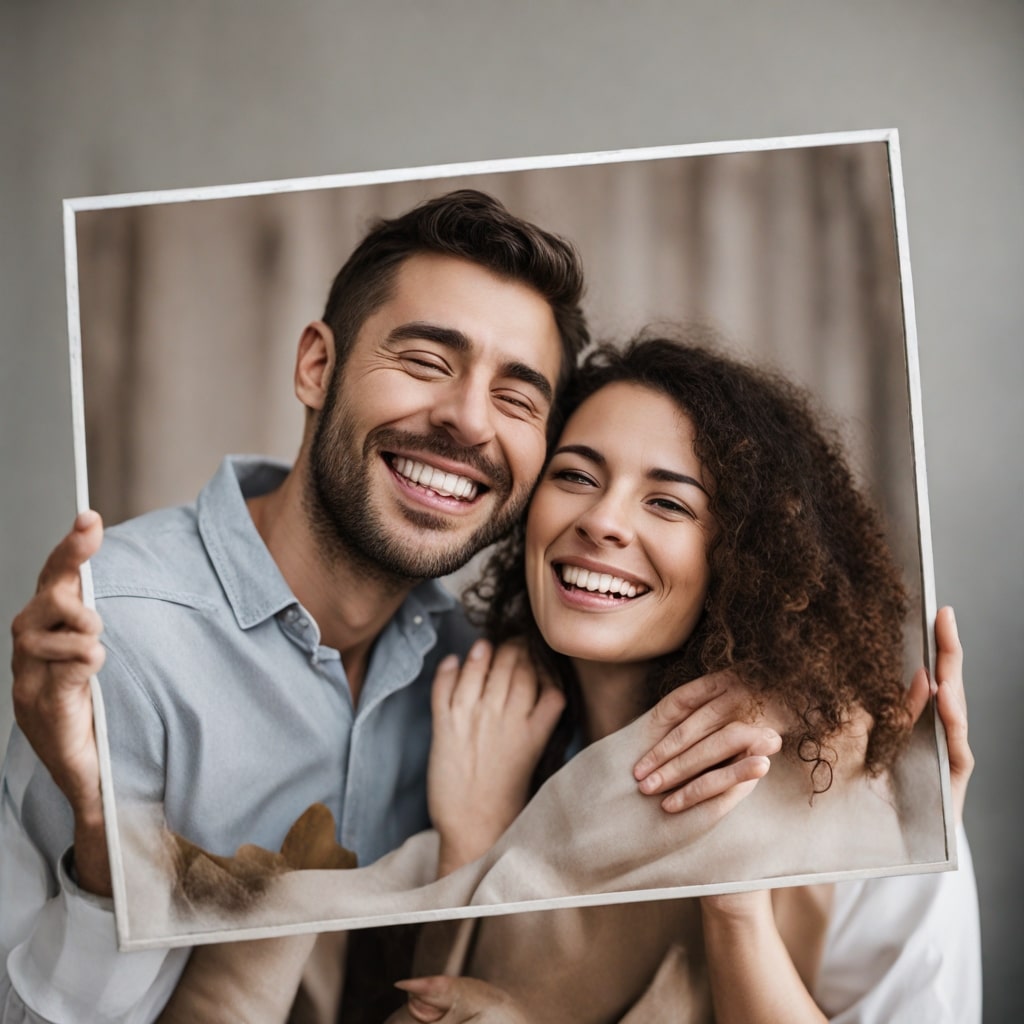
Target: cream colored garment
(635, 963)
(565, 844)
(611, 960)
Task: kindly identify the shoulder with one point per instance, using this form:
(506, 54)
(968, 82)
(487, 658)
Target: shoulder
(158, 555)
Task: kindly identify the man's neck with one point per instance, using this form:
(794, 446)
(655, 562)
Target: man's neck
(350, 606)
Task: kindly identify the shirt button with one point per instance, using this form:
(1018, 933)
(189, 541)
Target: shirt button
(417, 620)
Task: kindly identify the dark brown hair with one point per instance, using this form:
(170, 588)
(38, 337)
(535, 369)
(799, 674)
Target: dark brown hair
(472, 226)
(805, 602)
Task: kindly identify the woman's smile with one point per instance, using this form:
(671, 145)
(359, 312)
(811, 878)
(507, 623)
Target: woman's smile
(619, 526)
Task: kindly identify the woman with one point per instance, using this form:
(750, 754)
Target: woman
(692, 518)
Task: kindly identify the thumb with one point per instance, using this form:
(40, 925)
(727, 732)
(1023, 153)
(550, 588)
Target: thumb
(429, 998)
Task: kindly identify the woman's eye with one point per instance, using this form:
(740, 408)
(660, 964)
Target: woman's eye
(675, 507)
(572, 476)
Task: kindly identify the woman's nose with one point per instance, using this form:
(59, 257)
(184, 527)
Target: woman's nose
(607, 522)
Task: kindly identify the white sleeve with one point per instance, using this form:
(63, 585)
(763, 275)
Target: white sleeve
(904, 950)
(58, 950)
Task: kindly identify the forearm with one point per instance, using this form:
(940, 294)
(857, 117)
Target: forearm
(753, 978)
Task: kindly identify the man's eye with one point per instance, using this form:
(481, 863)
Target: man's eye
(516, 402)
(424, 363)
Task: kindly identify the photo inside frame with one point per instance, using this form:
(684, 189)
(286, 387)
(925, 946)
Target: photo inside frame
(190, 309)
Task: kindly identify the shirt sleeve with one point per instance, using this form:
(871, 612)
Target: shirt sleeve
(904, 950)
(58, 947)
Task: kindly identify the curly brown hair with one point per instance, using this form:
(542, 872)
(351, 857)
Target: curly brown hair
(805, 601)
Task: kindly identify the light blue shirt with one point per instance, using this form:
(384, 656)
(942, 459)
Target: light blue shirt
(222, 703)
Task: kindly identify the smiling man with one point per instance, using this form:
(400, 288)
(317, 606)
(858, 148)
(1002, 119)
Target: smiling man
(273, 645)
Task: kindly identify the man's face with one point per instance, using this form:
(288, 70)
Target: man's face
(429, 443)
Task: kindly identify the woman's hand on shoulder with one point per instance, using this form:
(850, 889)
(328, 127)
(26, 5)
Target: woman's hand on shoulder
(948, 690)
(492, 717)
(711, 741)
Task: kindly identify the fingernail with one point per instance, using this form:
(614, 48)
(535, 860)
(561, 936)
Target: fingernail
(424, 1011)
(448, 663)
(478, 650)
(651, 783)
(85, 519)
(641, 768)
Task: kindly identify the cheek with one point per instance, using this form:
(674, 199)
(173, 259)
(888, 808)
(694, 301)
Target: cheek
(525, 455)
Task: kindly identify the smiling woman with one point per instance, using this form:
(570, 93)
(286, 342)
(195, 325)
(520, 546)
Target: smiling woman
(714, 490)
(619, 531)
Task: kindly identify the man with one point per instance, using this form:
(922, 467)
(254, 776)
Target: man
(273, 646)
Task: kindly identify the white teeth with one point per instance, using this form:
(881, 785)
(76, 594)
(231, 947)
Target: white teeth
(447, 484)
(599, 581)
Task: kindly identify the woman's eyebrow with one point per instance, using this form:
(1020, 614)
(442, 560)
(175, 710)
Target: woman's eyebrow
(668, 476)
(455, 340)
(591, 454)
(662, 475)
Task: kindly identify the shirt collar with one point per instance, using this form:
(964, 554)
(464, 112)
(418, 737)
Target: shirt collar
(254, 586)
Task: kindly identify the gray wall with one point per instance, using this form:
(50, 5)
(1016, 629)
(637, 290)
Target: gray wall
(111, 96)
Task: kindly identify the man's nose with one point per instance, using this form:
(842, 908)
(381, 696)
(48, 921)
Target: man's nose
(465, 409)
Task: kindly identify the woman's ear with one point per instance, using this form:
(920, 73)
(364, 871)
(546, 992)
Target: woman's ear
(314, 364)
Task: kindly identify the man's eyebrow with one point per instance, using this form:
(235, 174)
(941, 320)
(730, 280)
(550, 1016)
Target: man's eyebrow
(455, 340)
(665, 475)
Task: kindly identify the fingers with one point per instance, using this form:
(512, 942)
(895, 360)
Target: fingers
(734, 741)
(462, 687)
(77, 547)
(726, 796)
(676, 706)
(953, 712)
(457, 1000)
(674, 757)
(952, 704)
(429, 998)
(949, 662)
(500, 677)
(511, 675)
(58, 606)
(918, 692)
(445, 677)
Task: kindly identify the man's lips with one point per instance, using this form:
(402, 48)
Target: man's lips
(434, 478)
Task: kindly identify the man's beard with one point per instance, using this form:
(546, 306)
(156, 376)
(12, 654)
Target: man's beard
(338, 500)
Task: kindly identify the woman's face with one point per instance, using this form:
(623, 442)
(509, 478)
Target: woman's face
(618, 531)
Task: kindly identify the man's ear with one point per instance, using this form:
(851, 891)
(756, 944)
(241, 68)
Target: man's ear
(314, 364)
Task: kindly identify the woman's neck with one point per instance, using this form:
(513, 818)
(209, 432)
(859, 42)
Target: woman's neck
(612, 695)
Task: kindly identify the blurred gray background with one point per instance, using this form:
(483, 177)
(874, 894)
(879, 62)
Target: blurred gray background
(109, 96)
